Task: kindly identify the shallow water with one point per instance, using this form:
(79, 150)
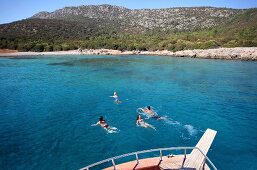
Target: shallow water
(49, 104)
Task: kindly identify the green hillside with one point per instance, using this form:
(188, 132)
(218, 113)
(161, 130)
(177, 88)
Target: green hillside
(83, 32)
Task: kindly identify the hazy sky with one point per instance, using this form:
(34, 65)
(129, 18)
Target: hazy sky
(13, 10)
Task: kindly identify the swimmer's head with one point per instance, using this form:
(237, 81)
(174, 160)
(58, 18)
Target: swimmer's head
(149, 107)
(115, 93)
(101, 118)
(138, 116)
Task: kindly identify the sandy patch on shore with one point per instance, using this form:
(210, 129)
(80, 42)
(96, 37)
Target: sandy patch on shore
(4, 51)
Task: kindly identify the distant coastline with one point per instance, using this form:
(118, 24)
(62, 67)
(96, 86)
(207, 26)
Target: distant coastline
(238, 53)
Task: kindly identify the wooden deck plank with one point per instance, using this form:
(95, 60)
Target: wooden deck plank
(143, 164)
(195, 159)
(174, 162)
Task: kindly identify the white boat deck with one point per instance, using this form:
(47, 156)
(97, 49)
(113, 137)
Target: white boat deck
(194, 161)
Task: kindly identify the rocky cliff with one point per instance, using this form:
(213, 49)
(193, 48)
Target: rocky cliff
(177, 19)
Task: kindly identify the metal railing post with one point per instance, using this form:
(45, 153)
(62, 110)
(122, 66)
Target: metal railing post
(113, 163)
(204, 162)
(185, 153)
(137, 158)
(206, 158)
(160, 154)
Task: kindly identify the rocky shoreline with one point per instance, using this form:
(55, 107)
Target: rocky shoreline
(238, 53)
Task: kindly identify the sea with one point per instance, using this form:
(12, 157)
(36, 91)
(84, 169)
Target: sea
(49, 105)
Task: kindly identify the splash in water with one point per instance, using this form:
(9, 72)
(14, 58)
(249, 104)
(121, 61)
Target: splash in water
(171, 121)
(109, 129)
(112, 129)
(191, 130)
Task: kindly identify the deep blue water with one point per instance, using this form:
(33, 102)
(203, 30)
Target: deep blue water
(48, 104)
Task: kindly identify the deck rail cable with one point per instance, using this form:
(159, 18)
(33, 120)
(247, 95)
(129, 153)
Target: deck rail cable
(147, 151)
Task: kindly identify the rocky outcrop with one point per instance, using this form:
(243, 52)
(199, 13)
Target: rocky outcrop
(239, 53)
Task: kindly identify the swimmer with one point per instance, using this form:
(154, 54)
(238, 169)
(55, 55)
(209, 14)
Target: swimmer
(102, 122)
(116, 98)
(142, 123)
(104, 125)
(150, 112)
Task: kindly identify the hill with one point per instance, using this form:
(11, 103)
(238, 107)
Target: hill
(106, 26)
(177, 19)
(47, 29)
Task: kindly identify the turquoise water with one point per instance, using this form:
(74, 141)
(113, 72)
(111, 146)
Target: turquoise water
(49, 104)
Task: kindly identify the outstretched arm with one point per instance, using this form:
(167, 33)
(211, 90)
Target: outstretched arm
(95, 124)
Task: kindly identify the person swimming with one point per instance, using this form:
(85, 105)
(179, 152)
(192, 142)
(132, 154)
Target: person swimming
(104, 125)
(116, 97)
(141, 122)
(150, 112)
(102, 122)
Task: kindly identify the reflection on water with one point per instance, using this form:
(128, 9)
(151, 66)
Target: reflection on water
(23, 57)
(98, 61)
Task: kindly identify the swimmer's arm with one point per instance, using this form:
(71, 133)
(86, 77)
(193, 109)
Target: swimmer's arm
(98, 123)
(137, 123)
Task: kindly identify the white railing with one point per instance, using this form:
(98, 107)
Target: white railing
(147, 151)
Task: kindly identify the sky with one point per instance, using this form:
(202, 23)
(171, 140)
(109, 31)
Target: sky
(13, 10)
